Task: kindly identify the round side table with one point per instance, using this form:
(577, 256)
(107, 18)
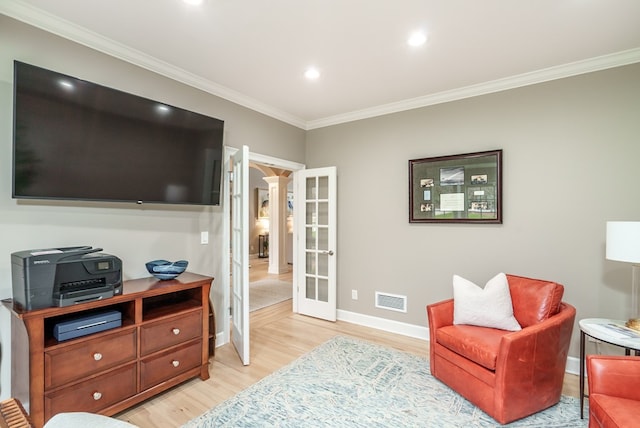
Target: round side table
(609, 331)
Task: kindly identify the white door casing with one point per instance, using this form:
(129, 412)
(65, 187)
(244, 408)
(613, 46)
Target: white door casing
(226, 281)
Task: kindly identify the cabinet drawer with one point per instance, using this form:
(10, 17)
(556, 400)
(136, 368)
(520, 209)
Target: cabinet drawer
(73, 362)
(95, 394)
(158, 368)
(158, 335)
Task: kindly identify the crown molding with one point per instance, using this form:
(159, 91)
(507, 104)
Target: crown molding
(68, 30)
(50, 23)
(544, 75)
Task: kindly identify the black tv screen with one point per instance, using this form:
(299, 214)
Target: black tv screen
(76, 140)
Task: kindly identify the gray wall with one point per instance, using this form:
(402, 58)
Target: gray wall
(571, 155)
(570, 151)
(135, 234)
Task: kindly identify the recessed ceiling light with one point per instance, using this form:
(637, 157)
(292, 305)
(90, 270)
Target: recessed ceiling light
(193, 2)
(417, 38)
(312, 73)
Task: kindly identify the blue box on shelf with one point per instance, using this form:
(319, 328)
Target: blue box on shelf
(88, 324)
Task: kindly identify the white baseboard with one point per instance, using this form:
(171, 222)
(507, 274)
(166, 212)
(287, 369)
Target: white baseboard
(398, 327)
(573, 366)
(416, 331)
(221, 339)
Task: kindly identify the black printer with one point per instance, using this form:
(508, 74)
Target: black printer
(63, 277)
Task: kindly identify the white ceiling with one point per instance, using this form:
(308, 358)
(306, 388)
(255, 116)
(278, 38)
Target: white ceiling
(254, 52)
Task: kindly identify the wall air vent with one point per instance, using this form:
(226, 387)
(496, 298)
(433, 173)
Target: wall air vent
(392, 302)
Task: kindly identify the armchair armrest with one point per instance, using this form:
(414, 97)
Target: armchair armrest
(545, 343)
(534, 358)
(615, 376)
(440, 314)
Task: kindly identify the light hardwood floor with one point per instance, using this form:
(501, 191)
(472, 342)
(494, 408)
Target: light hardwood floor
(259, 269)
(278, 336)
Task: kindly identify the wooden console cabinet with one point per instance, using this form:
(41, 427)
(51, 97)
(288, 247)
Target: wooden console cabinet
(163, 341)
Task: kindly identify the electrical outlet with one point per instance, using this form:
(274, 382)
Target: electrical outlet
(354, 294)
(204, 237)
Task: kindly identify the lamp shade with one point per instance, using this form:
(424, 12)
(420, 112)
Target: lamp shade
(623, 241)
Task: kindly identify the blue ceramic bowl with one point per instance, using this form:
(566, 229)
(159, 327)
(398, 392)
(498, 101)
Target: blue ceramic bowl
(163, 269)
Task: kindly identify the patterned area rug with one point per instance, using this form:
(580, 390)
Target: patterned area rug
(351, 383)
(267, 292)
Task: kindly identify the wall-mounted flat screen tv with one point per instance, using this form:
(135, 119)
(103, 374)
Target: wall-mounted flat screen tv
(77, 140)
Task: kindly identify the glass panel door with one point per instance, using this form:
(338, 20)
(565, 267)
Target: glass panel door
(318, 297)
(240, 253)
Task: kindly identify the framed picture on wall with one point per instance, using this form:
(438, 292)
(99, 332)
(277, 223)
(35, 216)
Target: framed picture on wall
(262, 203)
(465, 188)
(289, 204)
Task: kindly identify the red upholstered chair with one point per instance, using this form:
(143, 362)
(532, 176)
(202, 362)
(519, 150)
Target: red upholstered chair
(507, 374)
(614, 391)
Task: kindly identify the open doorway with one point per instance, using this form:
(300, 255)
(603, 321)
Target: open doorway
(235, 227)
(270, 274)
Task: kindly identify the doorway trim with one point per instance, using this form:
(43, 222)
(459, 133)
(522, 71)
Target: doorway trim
(224, 337)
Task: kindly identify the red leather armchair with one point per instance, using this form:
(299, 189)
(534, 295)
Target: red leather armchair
(507, 374)
(614, 391)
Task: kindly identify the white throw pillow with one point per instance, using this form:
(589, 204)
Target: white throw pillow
(488, 307)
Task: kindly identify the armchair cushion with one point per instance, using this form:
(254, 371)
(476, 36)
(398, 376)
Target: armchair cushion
(485, 307)
(609, 412)
(479, 344)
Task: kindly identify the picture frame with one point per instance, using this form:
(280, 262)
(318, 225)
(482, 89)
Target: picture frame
(262, 203)
(463, 188)
(289, 204)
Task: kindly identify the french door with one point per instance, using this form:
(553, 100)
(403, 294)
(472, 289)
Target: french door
(240, 253)
(316, 228)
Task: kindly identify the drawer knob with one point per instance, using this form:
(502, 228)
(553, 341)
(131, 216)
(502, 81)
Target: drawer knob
(97, 356)
(176, 331)
(97, 395)
(175, 363)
